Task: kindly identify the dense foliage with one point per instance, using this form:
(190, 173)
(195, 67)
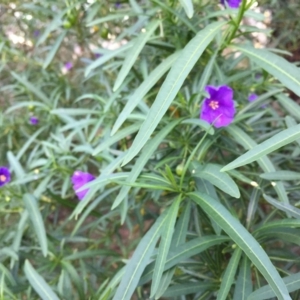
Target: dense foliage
(149, 149)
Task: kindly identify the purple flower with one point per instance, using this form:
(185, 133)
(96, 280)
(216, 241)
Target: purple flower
(232, 3)
(33, 120)
(4, 176)
(218, 108)
(98, 55)
(252, 97)
(79, 179)
(36, 33)
(118, 4)
(68, 65)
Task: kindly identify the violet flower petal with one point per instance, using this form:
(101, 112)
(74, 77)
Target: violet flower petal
(4, 176)
(79, 179)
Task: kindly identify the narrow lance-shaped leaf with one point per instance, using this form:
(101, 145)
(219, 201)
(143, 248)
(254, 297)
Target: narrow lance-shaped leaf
(31, 87)
(281, 175)
(100, 61)
(188, 7)
(143, 89)
(223, 181)
(37, 221)
(286, 207)
(243, 286)
(139, 260)
(164, 245)
(132, 55)
(172, 84)
(38, 283)
(287, 73)
(228, 277)
(264, 162)
(184, 251)
(54, 49)
(278, 140)
(244, 240)
(292, 283)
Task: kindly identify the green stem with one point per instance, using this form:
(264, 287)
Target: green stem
(238, 21)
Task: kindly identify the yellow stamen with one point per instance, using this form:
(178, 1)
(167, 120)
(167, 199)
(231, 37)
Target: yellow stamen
(214, 104)
(2, 178)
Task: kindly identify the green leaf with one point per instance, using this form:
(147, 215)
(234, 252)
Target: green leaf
(284, 223)
(244, 240)
(15, 164)
(223, 181)
(132, 55)
(292, 284)
(139, 260)
(164, 283)
(54, 49)
(28, 143)
(143, 89)
(184, 251)
(287, 73)
(281, 175)
(278, 140)
(73, 111)
(206, 187)
(229, 275)
(116, 138)
(206, 126)
(265, 163)
(147, 152)
(243, 286)
(103, 59)
(164, 246)
(182, 226)
(290, 209)
(290, 105)
(187, 288)
(38, 283)
(37, 221)
(188, 7)
(290, 235)
(32, 88)
(175, 78)
(207, 73)
(76, 279)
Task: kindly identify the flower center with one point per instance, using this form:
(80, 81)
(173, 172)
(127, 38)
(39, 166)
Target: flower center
(2, 178)
(214, 104)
